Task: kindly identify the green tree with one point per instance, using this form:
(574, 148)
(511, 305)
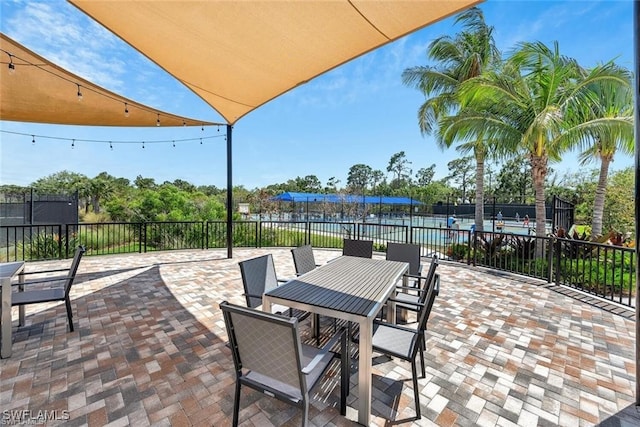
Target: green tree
(359, 177)
(144, 183)
(514, 181)
(527, 106)
(332, 185)
(461, 172)
(620, 203)
(460, 58)
(399, 167)
(604, 127)
(102, 186)
(424, 176)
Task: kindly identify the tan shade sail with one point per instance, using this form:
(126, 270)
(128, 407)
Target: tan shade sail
(238, 55)
(36, 90)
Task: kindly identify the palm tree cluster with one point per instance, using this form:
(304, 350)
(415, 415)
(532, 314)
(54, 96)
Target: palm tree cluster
(535, 103)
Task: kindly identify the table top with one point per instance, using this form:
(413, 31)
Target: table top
(347, 284)
(9, 269)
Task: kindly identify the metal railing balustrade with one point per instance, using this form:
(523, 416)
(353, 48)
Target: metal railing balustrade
(606, 271)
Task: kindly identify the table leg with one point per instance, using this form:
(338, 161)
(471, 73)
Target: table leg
(5, 333)
(364, 371)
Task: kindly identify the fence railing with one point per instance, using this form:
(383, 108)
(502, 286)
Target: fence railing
(604, 270)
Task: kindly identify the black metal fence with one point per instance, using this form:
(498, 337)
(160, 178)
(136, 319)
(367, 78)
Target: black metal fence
(604, 270)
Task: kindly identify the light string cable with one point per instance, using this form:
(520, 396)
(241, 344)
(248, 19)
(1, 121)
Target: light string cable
(79, 86)
(112, 142)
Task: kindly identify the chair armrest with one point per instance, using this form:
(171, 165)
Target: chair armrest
(323, 351)
(417, 305)
(409, 288)
(25, 273)
(252, 296)
(395, 326)
(47, 280)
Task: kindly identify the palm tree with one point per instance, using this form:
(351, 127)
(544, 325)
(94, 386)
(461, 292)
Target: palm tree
(606, 128)
(465, 56)
(531, 107)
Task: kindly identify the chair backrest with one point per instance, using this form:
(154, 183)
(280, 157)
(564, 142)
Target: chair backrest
(303, 259)
(265, 344)
(75, 263)
(258, 276)
(406, 252)
(359, 248)
(432, 290)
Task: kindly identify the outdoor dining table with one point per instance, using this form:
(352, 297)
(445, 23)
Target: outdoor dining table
(8, 270)
(349, 288)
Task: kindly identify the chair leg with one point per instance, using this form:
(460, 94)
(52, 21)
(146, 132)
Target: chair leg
(424, 374)
(416, 392)
(316, 321)
(67, 302)
(236, 404)
(305, 414)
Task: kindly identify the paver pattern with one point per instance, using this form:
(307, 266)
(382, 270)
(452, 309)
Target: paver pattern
(149, 349)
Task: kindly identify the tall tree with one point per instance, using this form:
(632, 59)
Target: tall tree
(461, 172)
(528, 106)
(399, 167)
(465, 56)
(424, 176)
(359, 177)
(605, 127)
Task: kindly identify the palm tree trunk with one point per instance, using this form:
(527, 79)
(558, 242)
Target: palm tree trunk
(539, 173)
(598, 202)
(479, 215)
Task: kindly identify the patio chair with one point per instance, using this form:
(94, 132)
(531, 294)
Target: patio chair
(259, 276)
(303, 259)
(404, 342)
(269, 357)
(304, 262)
(410, 298)
(406, 252)
(48, 291)
(359, 248)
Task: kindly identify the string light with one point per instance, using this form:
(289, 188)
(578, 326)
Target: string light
(200, 141)
(110, 146)
(142, 144)
(111, 142)
(73, 144)
(174, 144)
(12, 67)
(202, 128)
(97, 91)
(218, 128)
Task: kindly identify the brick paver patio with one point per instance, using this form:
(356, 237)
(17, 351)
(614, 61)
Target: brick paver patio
(149, 349)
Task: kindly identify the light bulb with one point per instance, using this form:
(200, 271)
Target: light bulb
(126, 110)
(79, 94)
(12, 67)
(158, 121)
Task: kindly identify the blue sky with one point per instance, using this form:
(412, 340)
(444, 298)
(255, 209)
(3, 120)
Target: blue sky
(357, 113)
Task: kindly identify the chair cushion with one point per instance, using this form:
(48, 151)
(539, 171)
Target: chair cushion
(308, 353)
(393, 341)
